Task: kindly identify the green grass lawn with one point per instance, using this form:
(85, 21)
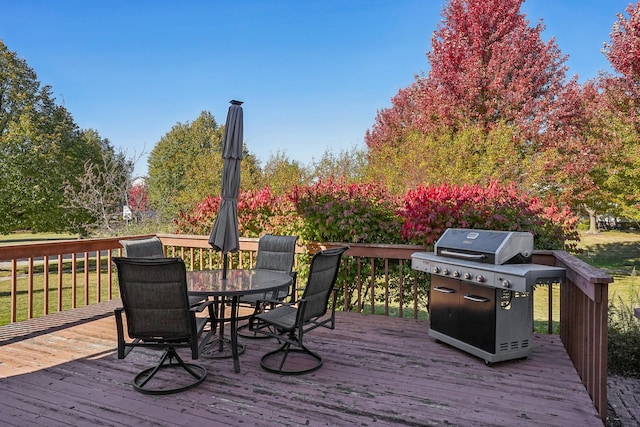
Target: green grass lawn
(13, 238)
(618, 254)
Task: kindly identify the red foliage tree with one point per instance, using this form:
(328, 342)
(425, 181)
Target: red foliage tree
(487, 66)
(489, 69)
(429, 210)
(138, 198)
(624, 50)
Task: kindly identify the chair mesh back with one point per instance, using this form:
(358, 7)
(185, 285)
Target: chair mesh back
(143, 248)
(276, 252)
(322, 277)
(154, 296)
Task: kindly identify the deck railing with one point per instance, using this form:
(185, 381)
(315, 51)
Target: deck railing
(73, 273)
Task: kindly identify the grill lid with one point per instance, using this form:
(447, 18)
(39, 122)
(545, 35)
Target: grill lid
(486, 246)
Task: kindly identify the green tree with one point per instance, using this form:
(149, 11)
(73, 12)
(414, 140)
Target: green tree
(281, 174)
(43, 153)
(348, 165)
(185, 166)
(41, 149)
(467, 155)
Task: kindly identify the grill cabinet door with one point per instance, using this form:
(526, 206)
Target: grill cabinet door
(444, 306)
(478, 316)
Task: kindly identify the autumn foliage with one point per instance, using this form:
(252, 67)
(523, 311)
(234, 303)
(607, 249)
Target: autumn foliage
(429, 211)
(259, 212)
(335, 211)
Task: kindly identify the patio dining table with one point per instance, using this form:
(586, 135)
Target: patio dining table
(239, 282)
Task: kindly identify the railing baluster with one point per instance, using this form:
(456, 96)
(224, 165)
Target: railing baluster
(550, 309)
(110, 273)
(98, 276)
(359, 285)
(401, 288)
(14, 289)
(74, 280)
(60, 281)
(30, 289)
(45, 286)
(372, 285)
(386, 286)
(86, 278)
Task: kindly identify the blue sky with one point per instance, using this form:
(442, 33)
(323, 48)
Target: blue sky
(312, 73)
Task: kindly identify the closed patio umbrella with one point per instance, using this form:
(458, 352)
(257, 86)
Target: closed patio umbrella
(224, 235)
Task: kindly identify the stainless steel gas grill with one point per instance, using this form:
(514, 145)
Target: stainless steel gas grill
(481, 291)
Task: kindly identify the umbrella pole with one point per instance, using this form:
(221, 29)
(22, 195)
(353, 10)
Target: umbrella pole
(224, 266)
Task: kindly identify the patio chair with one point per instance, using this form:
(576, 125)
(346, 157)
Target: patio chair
(143, 248)
(289, 323)
(150, 247)
(158, 315)
(275, 253)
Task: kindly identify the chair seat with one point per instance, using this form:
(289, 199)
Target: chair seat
(282, 317)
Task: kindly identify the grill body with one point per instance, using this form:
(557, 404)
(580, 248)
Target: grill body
(477, 305)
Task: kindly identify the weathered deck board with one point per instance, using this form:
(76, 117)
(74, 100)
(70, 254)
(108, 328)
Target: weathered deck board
(378, 371)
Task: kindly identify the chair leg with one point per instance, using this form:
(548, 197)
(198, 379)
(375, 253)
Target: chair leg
(198, 372)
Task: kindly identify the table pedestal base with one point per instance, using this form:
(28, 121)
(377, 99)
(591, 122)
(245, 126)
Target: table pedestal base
(220, 348)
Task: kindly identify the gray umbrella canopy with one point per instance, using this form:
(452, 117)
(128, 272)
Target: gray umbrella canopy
(224, 235)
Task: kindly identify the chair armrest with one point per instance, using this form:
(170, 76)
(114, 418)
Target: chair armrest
(271, 303)
(200, 307)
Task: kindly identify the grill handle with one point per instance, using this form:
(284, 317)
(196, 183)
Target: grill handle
(462, 255)
(476, 298)
(444, 290)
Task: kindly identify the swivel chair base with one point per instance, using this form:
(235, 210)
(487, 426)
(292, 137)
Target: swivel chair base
(302, 361)
(140, 381)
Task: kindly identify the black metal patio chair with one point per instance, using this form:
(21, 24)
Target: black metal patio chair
(289, 323)
(150, 247)
(275, 253)
(158, 315)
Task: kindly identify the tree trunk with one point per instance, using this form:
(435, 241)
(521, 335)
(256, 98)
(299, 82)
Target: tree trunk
(593, 229)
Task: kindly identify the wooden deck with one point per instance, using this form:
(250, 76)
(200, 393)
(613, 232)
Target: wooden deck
(378, 371)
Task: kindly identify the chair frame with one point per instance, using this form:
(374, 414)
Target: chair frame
(276, 322)
(170, 358)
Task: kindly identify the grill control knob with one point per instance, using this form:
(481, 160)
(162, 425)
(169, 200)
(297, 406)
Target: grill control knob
(456, 273)
(480, 278)
(436, 270)
(467, 276)
(506, 283)
(445, 271)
